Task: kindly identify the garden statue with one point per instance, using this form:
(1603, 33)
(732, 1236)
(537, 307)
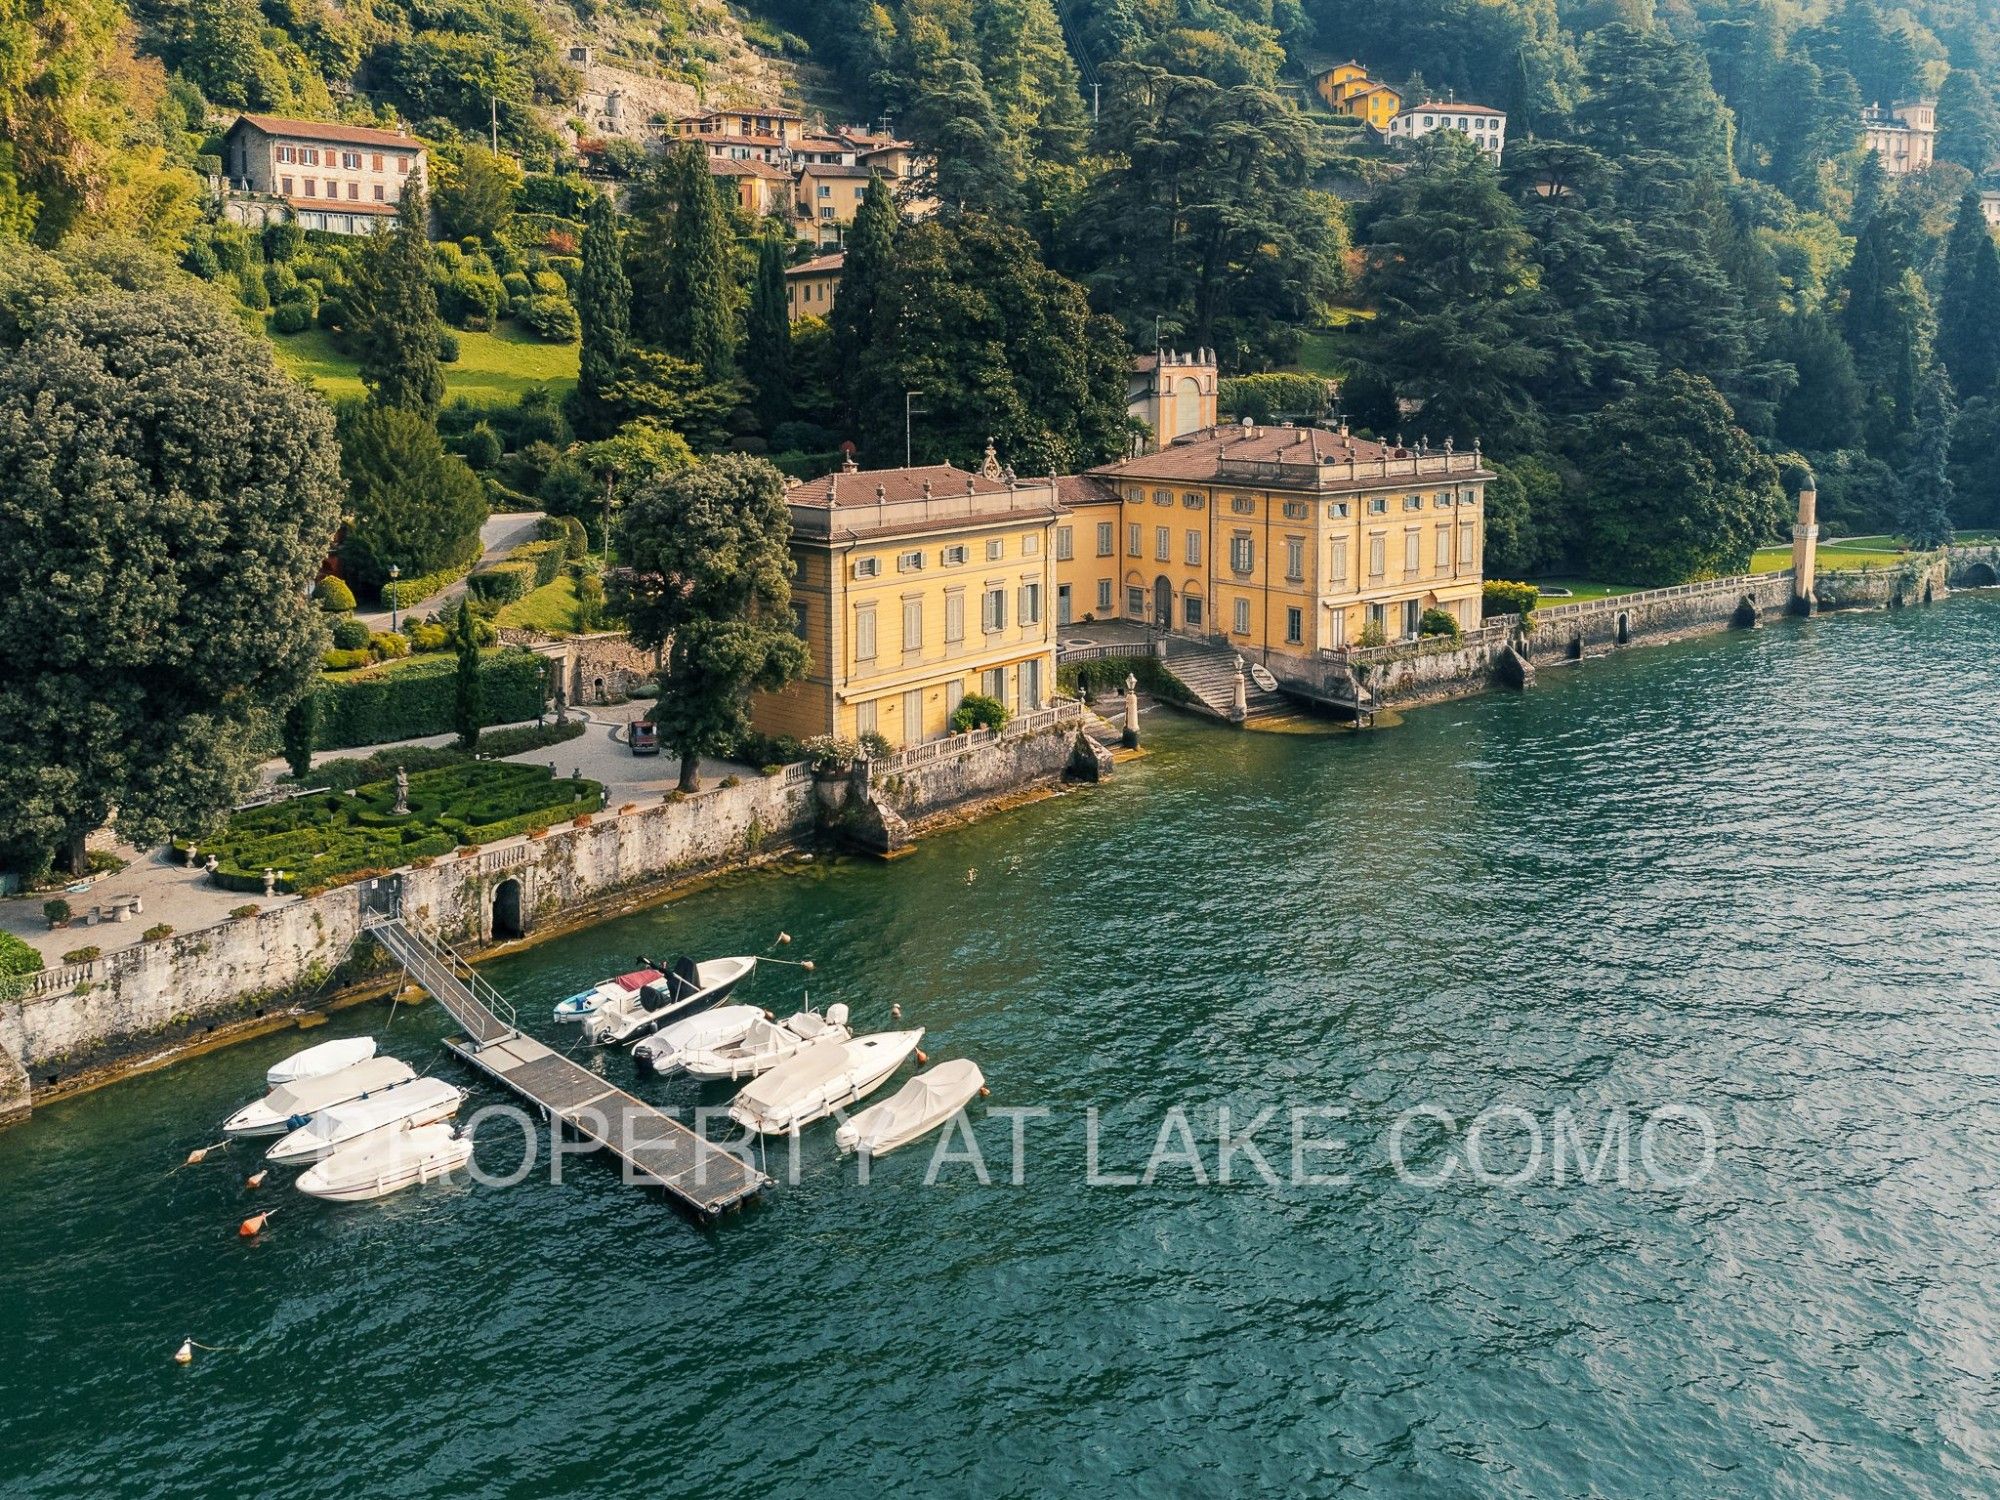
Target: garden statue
(562, 705)
(209, 865)
(402, 792)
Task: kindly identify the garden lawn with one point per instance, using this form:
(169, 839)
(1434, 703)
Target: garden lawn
(1831, 558)
(492, 368)
(550, 609)
(325, 839)
(1579, 589)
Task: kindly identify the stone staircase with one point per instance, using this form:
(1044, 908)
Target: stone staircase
(1209, 671)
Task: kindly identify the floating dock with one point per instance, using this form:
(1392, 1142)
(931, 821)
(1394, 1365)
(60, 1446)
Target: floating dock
(705, 1179)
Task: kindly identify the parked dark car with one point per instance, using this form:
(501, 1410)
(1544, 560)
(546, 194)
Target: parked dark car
(644, 737)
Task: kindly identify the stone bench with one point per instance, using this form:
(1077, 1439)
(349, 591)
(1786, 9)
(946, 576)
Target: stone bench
(114, 909)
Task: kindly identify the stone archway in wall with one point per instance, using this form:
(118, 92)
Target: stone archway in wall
(508, 919)
(1979, 575)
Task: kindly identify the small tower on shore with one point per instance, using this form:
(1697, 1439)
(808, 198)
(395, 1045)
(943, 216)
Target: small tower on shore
(1805, 547)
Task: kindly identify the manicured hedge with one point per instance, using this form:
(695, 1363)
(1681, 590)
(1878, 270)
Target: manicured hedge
(1505, 598)
(321, 840)
(546, 558)
(407, 591)
(502, 583)
(411, 698)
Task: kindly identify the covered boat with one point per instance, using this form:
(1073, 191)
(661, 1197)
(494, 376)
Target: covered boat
(763, 1046)
(686, 988)
(664, 1049)
(314, 1062)
(918, 1107)
(421, 1102)
(587, 1003)
(290, 1107)
(820, 1078)
(387, 1161)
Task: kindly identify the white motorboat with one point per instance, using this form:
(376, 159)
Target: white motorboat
(387, 1161)
(421, 1102)
(918, 1107)
(315, 1062)
(725, 1024)
(820, 1078)
(763, 1046)
(290, 1107)
(686, 988)
(587, 1003)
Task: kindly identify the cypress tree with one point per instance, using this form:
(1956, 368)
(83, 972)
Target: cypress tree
(399, 321)
(1927, 490)
(699, 323)
(864, 276)
(604, 307)
(768, 345)
(1968, 339)
(468, 707)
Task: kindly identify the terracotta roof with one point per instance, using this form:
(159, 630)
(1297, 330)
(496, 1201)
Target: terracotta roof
(1288, 453)
(820, 265)
(731, 166)
(1447, 107)
(834, 169)
(341, 205)
(840, 489)
(325, 130)
(1085, 489)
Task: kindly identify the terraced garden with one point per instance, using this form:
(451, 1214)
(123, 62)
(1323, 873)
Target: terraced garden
(330, 838)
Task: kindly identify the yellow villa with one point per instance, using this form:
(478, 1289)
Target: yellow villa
(916, 587)
(1348, 90)
(1281, 541)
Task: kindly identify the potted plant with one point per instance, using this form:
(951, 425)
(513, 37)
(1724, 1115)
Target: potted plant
(57, 912)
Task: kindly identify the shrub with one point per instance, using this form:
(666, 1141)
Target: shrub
(502, 583)
(569, 531)
(516, 286)
(977, 711)
(282, 242)
(482, 447)
(1371, 635)
(729, 781)
(428, 637)
(387, 645)
(334, 596)
(550, 318)
(830, 753)
(544, 558)
(407, 591)
(157, 932)
(291, 317)
(83, 955)
(410, 699)
(876, 744)
(345, 661)
(248, 909)
(1438, 622)
(56, 912)
(349, 634)
(1504, 598)
(17, 957)
(447, 345)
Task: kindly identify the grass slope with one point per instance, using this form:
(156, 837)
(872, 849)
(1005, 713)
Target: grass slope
(492, 368)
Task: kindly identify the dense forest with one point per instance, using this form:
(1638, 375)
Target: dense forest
(1685, 192)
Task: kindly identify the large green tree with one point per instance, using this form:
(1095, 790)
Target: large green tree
(393, 309)
(997, 346)
(864, 273)
(410, 504)
(166, 498)
(708, 576)
(475, 194)
(1927, 496)
(1646, 90)
(1676, 490)
(695, 307)
(767, 342)
(604, 308)
(1968, 337)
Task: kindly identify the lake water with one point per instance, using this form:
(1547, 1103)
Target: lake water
(1751, 881)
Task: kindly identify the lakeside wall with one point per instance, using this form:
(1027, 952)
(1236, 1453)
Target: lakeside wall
(82, 1018)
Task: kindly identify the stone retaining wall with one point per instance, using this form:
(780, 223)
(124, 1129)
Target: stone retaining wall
(135, 1000)
(1920, 579)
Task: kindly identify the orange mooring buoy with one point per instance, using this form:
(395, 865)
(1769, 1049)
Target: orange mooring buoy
(185, 1354)
(920, 1056)
(200, 1152)
(253, 1226)
(256, 1179)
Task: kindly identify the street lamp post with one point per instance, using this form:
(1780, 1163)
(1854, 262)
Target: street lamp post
(394, 573)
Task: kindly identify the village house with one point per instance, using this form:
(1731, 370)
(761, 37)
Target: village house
(1486, 127)
(810, 287)
(1348, 90)
(759, 187)
(914, 588)
(828, 197)
(759, 125)
(344, 179)
(1903, 136)
(1282, 541)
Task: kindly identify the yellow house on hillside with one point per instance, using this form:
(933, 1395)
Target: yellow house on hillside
(810, 287)
(914, 588)
(1285, 541)
(1348, 90)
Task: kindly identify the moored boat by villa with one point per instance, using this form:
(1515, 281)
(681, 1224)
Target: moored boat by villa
(289, 1107)
(686, 988)
(387, 1161)
(664, 1049)
(422, 1102)
(918, 1107)
(314, 1062)
(821, 1078)
(766, 1044)
(587, 1003)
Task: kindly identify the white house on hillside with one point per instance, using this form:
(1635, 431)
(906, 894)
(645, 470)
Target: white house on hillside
(1487, 127)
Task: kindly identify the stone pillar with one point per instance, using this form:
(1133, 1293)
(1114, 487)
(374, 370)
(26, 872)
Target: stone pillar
(1130, 738)
(1239, 699)
(1805, 549)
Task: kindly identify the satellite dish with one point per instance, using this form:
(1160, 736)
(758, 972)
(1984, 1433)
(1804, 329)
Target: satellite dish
(848, 447)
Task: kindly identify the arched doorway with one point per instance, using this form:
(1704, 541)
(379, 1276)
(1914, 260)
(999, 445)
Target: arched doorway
(1163, 602)
(507, 911)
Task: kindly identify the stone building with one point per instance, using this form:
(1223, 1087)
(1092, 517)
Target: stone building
(1170, 393)
(344, 179)
(1903, 136)
(1485, 127)
(810, 287)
